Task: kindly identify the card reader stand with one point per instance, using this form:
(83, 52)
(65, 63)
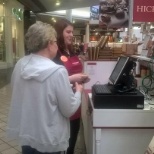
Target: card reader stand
(122, 89)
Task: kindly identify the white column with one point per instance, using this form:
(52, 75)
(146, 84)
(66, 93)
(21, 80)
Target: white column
(20, 39)
(69, 15)
(8, 34)
(87, 33)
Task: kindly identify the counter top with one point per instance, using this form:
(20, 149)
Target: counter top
(122, 117)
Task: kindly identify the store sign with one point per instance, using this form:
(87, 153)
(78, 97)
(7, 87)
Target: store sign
(94, 12)
(143, 11)
(94, 16)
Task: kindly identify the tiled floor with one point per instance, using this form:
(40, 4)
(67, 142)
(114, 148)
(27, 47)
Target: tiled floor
(5, 75)
(10, 146)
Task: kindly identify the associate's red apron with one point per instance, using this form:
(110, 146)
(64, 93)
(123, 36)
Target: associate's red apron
(73, 66)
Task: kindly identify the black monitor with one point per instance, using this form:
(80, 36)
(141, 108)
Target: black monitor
(119, 70)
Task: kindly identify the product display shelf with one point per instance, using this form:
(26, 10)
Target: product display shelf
(143, 58)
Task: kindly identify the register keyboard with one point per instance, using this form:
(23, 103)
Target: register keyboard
(105, 97)
(102, 89)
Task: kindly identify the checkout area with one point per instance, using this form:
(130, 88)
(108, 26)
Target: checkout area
(120, 122)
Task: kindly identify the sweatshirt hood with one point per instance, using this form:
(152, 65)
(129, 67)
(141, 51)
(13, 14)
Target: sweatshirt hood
(37, 67)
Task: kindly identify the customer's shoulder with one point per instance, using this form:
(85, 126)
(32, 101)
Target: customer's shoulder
(60, 69)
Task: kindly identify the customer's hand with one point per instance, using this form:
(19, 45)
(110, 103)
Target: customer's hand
(78, 87)
(80, 78)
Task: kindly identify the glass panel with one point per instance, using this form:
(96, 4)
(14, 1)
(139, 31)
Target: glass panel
(2, 34)
(17, 17)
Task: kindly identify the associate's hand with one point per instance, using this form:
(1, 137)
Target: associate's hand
(87, 79)
(80, 78)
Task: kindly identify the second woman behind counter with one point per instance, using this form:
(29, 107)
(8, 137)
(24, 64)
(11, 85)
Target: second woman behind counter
(66, 56)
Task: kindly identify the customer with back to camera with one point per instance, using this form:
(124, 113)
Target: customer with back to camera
(65, 56)
(42, 97)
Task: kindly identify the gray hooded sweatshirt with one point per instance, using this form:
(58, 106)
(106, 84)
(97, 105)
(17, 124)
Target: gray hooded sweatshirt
(42, 102)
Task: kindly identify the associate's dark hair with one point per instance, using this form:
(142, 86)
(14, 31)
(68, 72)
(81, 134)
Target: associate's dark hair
(59, 26)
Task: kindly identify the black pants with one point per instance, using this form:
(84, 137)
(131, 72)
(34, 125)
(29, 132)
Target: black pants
(29, 150)
(74, 128)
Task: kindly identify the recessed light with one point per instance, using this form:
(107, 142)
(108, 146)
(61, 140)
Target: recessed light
(57, 3)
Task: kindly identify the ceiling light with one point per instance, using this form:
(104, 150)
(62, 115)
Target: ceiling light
(151, 26)
(136, 27)
(57, 3)
(81, 13)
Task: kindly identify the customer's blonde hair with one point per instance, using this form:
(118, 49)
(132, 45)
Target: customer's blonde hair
(38, 36)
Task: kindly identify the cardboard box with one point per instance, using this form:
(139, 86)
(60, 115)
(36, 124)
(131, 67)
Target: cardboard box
(129, 48)
(118, 51)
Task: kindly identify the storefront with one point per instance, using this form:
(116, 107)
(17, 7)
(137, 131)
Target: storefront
(11, 33)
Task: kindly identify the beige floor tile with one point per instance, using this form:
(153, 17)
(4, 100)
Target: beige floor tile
(13, 143)
(10, 151)
(6, 139)
(18, 148)
(2, 134)
(5, 112)
(4, 146)
(3, 128)
(3, 116)
(5, 119)
(2, 124)
(1, 141)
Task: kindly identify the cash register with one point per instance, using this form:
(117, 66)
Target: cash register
(120, 92)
